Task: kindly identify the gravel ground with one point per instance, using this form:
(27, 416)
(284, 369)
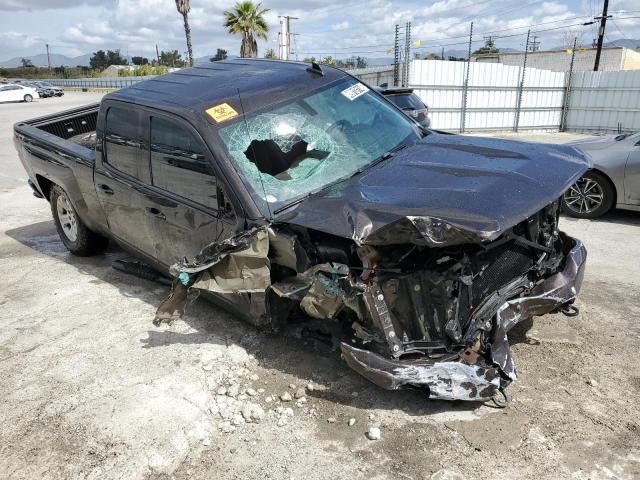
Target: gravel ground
(92, 390)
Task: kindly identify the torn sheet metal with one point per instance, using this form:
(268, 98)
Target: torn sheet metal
(239, 264)
(446, 380)
(548, 296)
(325, 298)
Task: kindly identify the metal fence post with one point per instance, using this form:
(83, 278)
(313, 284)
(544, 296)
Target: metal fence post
(567, 89)
(465, 85)
(521, 86)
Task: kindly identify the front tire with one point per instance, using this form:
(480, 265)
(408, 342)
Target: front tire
(75, 235)
(28, 98)
(590, 197)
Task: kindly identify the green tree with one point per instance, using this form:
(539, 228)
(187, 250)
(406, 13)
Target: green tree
(101, 60)
(114, 58)
(139, 60)
(270, 53)
(98, 60)
(246, 19)
(171, 59)
(26, 63)
(221, 54)
(183, 7)
(489, 47)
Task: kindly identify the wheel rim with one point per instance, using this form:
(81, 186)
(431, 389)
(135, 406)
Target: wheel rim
(584, 196)
(67, 217)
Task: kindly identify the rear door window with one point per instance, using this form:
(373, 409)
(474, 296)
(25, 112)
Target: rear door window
(180, 162)
(125, 145)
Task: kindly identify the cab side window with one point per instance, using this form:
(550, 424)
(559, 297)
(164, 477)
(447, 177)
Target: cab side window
(180, 163)
(125, 146)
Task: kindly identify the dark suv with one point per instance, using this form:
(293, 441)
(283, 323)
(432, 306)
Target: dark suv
(408, 102)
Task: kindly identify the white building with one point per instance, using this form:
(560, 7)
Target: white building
(611, 59)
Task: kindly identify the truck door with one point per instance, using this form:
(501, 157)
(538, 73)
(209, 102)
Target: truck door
(632, 174)
(123, 179)
(182, 170)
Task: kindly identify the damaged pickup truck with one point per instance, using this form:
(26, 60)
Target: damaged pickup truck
(299, 198)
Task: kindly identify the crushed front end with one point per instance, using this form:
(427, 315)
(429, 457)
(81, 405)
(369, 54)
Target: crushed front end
(420, 303)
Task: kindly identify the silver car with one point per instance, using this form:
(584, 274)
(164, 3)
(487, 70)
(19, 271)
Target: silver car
(614, 180)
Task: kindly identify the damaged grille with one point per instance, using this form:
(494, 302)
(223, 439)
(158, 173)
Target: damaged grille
(497, 269)
(430, 310)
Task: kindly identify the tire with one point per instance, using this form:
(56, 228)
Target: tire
(75, 235)
(28, 98)
(591, 196)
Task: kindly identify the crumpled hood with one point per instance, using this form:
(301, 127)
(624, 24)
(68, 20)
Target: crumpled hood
(480, 185)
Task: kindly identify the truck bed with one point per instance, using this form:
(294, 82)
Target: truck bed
(77, 125)
(60, 149)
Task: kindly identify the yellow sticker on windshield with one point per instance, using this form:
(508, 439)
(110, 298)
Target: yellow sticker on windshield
(221, 112)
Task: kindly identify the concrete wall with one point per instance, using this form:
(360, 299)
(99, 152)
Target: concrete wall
(560, 60)
(374, 76)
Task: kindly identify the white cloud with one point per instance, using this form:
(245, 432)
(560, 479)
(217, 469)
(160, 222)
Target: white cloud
(334, 27)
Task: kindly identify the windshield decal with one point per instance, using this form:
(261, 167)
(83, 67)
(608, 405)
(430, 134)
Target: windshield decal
(221, 112)
(354, 91)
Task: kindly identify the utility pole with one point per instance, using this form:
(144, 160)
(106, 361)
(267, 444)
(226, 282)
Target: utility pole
(442, 54)
(284, 43)
(535, 44)
(48, 56)
(157, 54)
(603, 23)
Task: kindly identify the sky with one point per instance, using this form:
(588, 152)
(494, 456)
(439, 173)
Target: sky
(339, 28)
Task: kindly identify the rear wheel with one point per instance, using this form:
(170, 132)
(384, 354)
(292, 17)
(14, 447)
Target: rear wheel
(75, 235)
(591, 196)
(28, 98)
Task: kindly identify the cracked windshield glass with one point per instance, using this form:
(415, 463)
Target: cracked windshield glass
(300, 146)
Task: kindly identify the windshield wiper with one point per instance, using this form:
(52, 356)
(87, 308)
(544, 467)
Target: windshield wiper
(385, 156)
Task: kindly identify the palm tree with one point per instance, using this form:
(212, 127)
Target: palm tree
(183, 7)
(247, 19)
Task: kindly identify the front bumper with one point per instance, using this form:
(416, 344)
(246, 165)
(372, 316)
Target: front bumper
(481, 378)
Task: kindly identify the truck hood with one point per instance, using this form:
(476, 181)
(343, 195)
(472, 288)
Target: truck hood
(445, 189)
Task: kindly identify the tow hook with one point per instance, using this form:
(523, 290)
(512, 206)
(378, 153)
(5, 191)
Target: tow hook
(570, 310)
(502, 399)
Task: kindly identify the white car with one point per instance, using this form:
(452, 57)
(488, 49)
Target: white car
(17, 93)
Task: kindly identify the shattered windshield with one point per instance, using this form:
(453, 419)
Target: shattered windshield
(294, 148)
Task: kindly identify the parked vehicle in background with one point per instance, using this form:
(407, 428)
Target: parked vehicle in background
(408, 102)
(42, 91)
(614, 180)
(17, 93)
(57, 91)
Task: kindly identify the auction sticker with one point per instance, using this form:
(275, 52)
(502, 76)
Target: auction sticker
(221, 112)
(354, 91)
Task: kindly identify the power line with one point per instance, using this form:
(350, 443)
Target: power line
(438, 45)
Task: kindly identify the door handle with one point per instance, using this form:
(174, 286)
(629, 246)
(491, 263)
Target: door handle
(154, 212)
(106, 189)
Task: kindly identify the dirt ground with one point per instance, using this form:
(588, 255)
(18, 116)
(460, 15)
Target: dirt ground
(91, 389)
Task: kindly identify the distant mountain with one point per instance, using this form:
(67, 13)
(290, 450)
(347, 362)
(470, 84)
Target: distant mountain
(57, 60)
(624, 42)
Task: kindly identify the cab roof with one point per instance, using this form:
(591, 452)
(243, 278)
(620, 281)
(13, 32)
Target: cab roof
(259, 82)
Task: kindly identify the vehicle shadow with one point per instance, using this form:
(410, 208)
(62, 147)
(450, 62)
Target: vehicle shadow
(298, 359)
